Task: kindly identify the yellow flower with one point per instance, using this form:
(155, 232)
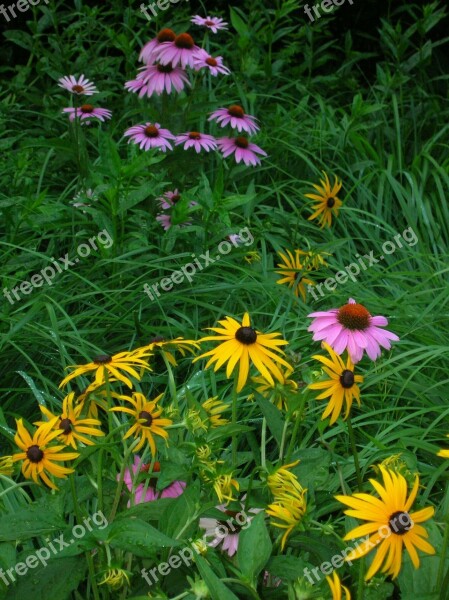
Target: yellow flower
(94, 397)
(327, 202)
(147, 421)
(222, 484)
(292, 271)
(203, 453)
(289, 509)
(38, 456)
(240, 344)
(341, 384)
(281, 480)
(113, 365)
(72, 426)
(252, 256)
(389, 522)
(444, 453)
(200, 546)
(115, 578)
(214, 409)
(313, 260)
(336, 587)
(398, 465)
(6, 465)
(279, 392)
(164, 346)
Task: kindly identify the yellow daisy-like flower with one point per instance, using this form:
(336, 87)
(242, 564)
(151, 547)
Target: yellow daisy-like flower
(38, 456)
(289, 509)
(240, 344)
(165, 346)
(222, 484)
(443, 453)
(282, 480)
(214, 409)
(72, 426)
(6, 465)
(115, 578)
(313, 260)
(113, 365)
(279, 392)
(327, 202)
(389, 521)
(292, 271)
(252, 256)
(341, 386)
(147, 423)
(397, 464)
(336, 588)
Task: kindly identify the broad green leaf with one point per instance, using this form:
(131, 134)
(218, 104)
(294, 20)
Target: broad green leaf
(138, 537)
(217, 589)
(254, 547)
(42, 517)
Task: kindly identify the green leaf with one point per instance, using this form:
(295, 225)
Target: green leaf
(286, 567)
(254, 547)
(273, 416)
(217, 589)
(226, 431)
(43, 517)
(21, 38)
(181, 511)
(138, 537)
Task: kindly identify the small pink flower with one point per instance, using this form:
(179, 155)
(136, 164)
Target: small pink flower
(199, 141)
(352, 328)
(227, 530)
(242, 148)
(236, 117)
(203, 60)
(212, 23)
(174, 490)
(87, 111)
(169, 199)
(165, 221)
(150, 136)
(78, 86)
(157, 79)
(180, 51)
(147, 54)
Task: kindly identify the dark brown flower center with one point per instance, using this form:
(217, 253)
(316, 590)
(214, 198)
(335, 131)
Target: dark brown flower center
(102, 359)
(166, 35)
(195, 135)
(236, 111)
(241, 142)
(354, 317)
(184, 41)
(209, 23)
(151, 131)
(400, 522)
(211, 61)
(347, 379)
(330, 202)
(35, 454)
(77, 88)
(87, 108)
(165, 68)
(233, 527)
(66, 426)
(246, 335)
(148, 419)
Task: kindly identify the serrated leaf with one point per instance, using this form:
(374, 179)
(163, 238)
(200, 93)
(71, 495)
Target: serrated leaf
(138, 537)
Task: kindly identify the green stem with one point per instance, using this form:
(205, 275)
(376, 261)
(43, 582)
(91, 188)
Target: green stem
(234, 422)
(296, 427)
(361, 582)
(439, 585)
(263, 443)
(171, 381)
(284, 434)
(355, 454)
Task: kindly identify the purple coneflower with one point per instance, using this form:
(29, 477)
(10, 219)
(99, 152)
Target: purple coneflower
(80, 86)
(242, 148)
(203, 60)
(150, 136)
(236, 117)
(157, 79)
(212, 23)
(180, 51)
(88, 111)
(169, 199)
(199, 141)
(174, 490)
(147, 54)
(351, 327)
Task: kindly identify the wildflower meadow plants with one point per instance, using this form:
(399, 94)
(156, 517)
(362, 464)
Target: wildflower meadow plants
(241, 436)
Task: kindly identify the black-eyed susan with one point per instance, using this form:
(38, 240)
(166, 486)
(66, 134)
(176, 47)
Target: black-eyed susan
(73, 427)
(328, 204)
(114, 366)
(341, 385)
(279, 392)
(166, 347)
(215, 409)
(288, 509)
(294, 273)
(283, 480)
(337, 588)
(38, 456)
(147, 420)
(6, 465)
(115, 578)
(242, 343)
(390, 524)
(222, 482)
(443, 453)
(94, 397)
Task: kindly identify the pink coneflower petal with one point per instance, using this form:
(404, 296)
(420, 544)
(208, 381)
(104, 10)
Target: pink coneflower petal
(212, 23)
(150, 136)
(80, 86)
(352, 328)
(242, 150)
(156, 79)
(87, 111)
(174, 490)
(203, 60)
(198, 141)
(235, 117)
(181, 51)
(148, 53)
